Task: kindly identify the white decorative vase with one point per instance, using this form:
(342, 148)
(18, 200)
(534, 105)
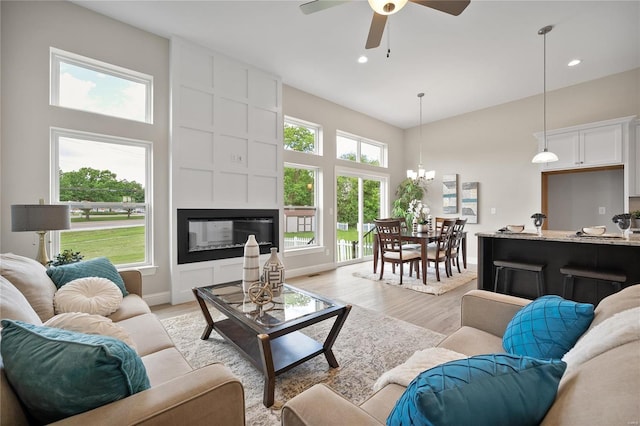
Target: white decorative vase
(273, 272)
(251, 265)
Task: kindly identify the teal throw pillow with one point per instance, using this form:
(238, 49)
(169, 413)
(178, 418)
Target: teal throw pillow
(548, 327)
(58, 373)
(98, 267)
(494, 389)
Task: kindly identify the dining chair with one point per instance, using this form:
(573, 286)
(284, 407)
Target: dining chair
(454, 245)
(439, 252)
(390, 243)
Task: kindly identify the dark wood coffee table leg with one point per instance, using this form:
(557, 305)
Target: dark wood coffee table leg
(333, 335)
(267, 370)
(207, 316)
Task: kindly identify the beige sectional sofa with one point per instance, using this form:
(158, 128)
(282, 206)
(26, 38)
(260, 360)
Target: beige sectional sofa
(604, 390)
(178, 394)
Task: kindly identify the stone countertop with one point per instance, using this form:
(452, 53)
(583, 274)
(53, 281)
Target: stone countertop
(566, 237)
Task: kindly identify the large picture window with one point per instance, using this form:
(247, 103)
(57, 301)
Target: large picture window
(300, 206)
(86, 84)
(301, 136)
(360, 150)
(107, 183)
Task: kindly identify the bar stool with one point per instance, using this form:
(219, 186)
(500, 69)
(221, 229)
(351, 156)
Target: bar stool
(616, 278)
(518, 266)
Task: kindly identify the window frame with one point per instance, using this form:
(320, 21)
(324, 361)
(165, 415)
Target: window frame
(317, 130)
(58, 55)
(384, 163)
(55, 134)
(316, 197)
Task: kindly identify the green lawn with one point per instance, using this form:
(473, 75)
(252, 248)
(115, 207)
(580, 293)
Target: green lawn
(120, 245)
(101, 218)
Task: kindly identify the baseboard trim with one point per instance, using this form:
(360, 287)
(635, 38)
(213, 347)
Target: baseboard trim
(157, 298)
(291, 273)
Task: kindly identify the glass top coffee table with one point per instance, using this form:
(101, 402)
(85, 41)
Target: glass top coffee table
(268, 336)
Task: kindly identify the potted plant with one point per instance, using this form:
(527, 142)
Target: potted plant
(66, 257)
(407, 191)
(420, 213)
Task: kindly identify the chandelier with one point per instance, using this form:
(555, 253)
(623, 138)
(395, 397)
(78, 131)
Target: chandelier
(421, 176)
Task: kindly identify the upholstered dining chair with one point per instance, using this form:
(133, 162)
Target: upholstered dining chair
(390, 242)
(439, 252)
(454, 245)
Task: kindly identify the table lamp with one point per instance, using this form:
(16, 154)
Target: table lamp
(40, 218)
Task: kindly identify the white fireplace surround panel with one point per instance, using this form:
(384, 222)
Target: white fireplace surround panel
(226, 148)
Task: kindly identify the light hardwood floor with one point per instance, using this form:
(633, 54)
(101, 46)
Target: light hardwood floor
(437, 313)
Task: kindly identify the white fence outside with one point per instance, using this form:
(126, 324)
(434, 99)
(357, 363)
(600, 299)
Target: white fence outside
(347, 250)
(291, 242)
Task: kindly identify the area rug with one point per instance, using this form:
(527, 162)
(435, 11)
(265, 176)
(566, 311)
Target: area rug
(368, 345)
(433, 286)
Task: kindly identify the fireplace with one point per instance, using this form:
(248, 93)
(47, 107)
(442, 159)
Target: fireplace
(211, 234)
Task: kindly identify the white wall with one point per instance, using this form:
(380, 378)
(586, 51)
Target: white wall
(494, 146)
(28, 30)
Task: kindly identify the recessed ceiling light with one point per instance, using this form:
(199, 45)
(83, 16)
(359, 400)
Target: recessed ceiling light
(574, 62)
(363, 59)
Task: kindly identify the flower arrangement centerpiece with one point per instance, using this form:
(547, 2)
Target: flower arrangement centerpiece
(419, 212)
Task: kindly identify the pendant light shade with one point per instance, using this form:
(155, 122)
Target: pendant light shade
(387, 7)
(421, 175)
(545, 156)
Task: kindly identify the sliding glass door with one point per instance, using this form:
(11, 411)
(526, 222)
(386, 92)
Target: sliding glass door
(360, 199)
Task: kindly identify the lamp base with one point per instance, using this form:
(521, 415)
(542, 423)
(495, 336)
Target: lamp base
(42, 256)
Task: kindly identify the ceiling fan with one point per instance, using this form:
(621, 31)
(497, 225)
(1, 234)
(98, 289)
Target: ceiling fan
(384, 8)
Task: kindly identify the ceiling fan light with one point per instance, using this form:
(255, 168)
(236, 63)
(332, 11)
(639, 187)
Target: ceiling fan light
(545, 157)
(387, 7)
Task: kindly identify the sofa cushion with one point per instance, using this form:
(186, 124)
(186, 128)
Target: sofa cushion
(30, 277)
(58, 373)
(156, 365)
(547, 327)
(131, 306)
(601, 391)
(98, 267)
(482, 390)
(627, 298)
(93, 295)
(472, 341)
(82, 322)
(148, 333)
(13, 304)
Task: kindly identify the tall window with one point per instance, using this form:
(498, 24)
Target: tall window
(107, 182)
(300, 206)
(301, 136)
(360, 150)
(89, 85)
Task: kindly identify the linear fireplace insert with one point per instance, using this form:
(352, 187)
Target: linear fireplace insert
(211, 234)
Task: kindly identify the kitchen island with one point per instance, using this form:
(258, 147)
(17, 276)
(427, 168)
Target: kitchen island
(556, 249)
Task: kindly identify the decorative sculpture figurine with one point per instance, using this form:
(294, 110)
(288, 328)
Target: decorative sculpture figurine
(273, 272)
(623, 222)
(538, 220)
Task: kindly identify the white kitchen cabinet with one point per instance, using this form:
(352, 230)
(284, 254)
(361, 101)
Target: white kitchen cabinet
(589, 145)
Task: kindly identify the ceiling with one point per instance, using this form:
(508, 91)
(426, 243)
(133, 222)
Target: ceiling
(489, 55)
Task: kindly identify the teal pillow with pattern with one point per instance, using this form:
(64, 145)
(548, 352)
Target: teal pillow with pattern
(484, 390)
(98, 267)
(58, 373)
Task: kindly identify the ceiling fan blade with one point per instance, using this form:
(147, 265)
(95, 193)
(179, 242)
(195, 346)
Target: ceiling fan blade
(318, 5)
(375, 32)
(452, 7)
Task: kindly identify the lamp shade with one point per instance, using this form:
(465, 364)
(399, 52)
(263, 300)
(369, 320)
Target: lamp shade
(39, 217)
(545, 157)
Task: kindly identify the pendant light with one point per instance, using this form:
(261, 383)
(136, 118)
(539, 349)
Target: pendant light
(421, 176)
(545, 156)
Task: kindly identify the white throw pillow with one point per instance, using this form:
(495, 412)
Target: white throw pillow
(93, 295)
(91, 324)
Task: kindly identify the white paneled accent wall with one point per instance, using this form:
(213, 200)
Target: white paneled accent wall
(226, 148)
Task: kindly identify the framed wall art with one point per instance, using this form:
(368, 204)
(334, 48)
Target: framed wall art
(470, 201)
(450, 194)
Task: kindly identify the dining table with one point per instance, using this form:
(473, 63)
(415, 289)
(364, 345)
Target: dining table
(422, 238)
